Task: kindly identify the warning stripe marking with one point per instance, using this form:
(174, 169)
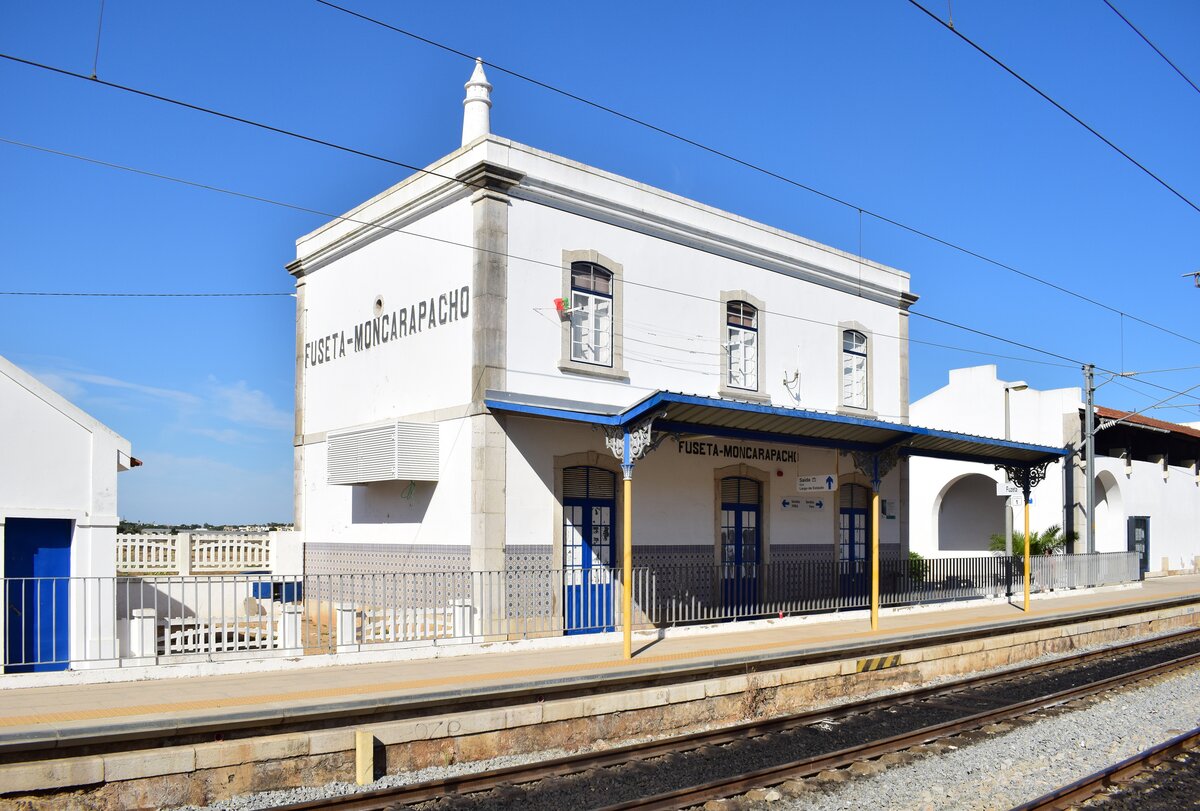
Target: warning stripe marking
(877, 663)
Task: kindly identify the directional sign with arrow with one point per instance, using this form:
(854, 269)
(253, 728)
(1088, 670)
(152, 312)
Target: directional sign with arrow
(815, 484)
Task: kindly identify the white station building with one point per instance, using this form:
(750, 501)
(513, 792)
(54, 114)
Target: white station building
(482, 346)
(58, 525)
(1146, 486)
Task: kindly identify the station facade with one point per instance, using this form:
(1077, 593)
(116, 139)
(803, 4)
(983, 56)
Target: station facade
(656, 293)
(486, 350)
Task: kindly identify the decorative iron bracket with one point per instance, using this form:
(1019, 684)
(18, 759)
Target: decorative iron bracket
(1027, 477)
(875, 465)
(641, 439)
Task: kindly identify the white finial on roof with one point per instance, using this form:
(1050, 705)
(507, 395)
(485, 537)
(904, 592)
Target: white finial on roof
(477, 106)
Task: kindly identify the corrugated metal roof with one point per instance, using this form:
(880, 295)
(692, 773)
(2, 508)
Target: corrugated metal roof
(710, 416)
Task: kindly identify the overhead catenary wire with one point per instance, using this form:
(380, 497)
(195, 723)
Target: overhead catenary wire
(444, 241)
(556, 266)
(766, 171)
(1154, 47)
(430, 172)
(82, 294)
(457, 180)
(999, 63)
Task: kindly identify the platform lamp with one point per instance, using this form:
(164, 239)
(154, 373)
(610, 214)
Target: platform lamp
(1016, 385)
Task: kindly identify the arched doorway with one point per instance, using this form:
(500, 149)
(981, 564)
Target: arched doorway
(969, 514)
(589, 503)
(741, 541)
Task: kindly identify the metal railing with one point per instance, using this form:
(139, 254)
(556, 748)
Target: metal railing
(54, 623)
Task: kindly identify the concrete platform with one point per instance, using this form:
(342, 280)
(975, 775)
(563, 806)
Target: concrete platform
(67, 716)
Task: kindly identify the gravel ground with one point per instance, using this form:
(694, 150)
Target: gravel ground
(271, 799)
(1021, 765)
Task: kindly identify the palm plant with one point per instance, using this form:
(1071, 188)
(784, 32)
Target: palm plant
(1051, 541)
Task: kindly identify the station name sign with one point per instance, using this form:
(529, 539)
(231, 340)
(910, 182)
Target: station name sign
(420, 316)
(729, 450)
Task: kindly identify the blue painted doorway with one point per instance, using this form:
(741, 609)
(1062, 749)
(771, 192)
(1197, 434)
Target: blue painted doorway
(37, 565)
(589, 504)
(854, 530)
(741, 520)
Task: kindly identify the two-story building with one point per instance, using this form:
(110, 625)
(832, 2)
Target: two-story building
(481, 347)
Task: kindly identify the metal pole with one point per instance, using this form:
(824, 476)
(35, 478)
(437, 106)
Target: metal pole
(875, 548)
(875, 558)
(1089, 440)
(627, 552)
(1028, 570)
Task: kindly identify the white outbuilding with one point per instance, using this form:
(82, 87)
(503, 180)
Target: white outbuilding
(58, 525)
(1146, 484)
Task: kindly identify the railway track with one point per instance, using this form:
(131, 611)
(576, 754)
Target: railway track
(690, 770)
(1119, 774)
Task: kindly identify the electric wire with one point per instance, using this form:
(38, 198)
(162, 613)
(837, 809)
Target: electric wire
(80, 294)
(430, 172)
(765, 171)
(343, 218)
(1058, 106)
(1155, 48)
(556, 266)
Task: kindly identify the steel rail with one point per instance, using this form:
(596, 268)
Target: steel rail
(718, 789)
(574, 764)
(1079, 791)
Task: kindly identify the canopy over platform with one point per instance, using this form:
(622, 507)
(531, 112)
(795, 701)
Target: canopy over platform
(687, 414)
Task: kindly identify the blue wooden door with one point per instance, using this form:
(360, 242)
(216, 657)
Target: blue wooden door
(589, 502)
(37, 564)
(741, 519)
(854, 527)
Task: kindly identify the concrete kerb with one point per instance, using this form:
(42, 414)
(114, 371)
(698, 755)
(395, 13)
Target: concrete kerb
(114, 731)
(74, 772)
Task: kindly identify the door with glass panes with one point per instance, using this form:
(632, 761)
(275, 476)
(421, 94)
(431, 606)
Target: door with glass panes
(589, 502)
(854, 527)
(741, 518)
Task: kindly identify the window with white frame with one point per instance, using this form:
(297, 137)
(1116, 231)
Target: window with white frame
(854, 369)
(591, 314)
(741, 320)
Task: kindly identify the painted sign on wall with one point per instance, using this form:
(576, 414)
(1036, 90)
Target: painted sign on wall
(387, 327)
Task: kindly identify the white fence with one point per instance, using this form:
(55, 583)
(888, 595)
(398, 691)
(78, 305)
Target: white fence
(188, 553)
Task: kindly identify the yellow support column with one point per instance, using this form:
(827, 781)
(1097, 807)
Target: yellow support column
(1028, 571)
(627, 565)
(875, 558)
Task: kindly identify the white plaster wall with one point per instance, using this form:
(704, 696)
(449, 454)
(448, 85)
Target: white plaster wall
(46, 465)
(972, 401)
(434, 513)
(673, 341)
(1173, 506)
(416, 373)
(673, 493)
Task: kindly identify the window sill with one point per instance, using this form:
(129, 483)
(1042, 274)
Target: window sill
(743, 394)
(863, 413)
(589, 370)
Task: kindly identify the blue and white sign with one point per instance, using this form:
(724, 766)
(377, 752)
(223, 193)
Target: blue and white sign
(815, 484)
(817, 504)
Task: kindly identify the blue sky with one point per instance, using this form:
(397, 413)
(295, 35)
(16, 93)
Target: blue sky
(868, 100)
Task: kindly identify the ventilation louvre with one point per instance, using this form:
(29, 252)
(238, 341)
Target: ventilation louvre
(395, 451)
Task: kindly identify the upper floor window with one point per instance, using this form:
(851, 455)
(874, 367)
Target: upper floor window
(854, 369)
(742, 342)
(591, 314)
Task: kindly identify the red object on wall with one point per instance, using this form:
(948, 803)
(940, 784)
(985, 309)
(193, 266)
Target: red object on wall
(561, 306)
